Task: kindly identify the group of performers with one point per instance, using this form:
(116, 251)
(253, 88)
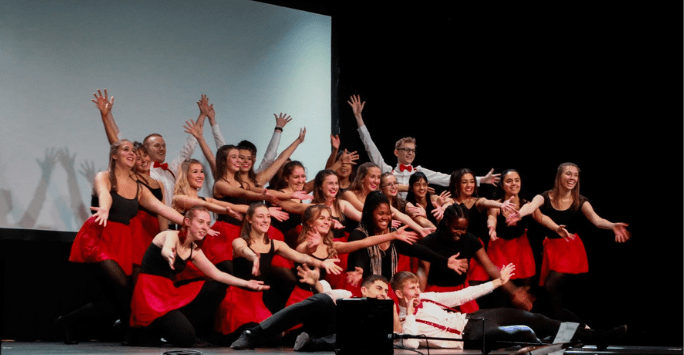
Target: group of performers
(270, 249)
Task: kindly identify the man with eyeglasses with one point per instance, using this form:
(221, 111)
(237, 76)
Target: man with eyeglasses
(405, 151)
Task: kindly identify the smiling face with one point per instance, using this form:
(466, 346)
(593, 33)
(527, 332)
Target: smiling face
(233, 161)
(322, 222)
(467, 185)
(410, 290)
(420, 188)
(196, 176)
(377, 289)
(156, 147)
(260, 220)
(330, 187)
(246, 160)
(297, 179)
(371, 181)
(382, 217)
(569, 177)
(125, 155)
(142, 162)
(511, 183)
(198, 225)
(458, 228)
(389, 186)
(406, 153)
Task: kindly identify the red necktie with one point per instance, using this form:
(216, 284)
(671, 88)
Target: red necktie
(164, 166)
(403, 167)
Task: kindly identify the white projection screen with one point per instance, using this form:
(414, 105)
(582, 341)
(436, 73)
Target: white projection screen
(252, 60)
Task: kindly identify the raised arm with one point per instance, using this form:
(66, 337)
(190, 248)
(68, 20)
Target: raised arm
(270, 154)
(105, 107)
(335, 144)
(372, 150)
(195, 129)
(266, 173)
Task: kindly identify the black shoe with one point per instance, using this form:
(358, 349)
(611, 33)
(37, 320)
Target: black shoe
(199, 343)
(247, 340)
(65, 331)
(609, 336)
(302, 342)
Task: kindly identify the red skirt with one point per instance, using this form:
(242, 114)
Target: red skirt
(154, 296)
(517, 251)
(407, 263)
(95, 243)
(565, 256)
(220, 248)
(476, 271)
(468, 307)
(144, 227)
(240, 307)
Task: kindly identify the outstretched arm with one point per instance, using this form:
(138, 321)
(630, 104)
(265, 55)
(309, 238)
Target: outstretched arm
(399, 234)
(620, 229)
(204, 265)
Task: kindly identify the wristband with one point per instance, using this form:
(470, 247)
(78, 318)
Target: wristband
(279, 128)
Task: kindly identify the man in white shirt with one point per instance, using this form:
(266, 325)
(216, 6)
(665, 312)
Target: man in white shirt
(405, 151)
(430, 314)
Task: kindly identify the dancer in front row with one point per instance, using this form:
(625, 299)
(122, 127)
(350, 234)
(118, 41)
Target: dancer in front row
(175, 310)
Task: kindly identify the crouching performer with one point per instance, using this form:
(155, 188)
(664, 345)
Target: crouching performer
(431, 315)
(174, 310)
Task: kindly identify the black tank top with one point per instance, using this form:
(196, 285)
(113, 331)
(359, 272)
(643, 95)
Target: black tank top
(153, 263)
(122, 209)
(243, 267)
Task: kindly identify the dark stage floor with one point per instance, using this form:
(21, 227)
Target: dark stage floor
(99, 348)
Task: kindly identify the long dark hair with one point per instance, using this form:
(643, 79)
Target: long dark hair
(455, 182)
(500, 194)
(411, 196)
(286, 172)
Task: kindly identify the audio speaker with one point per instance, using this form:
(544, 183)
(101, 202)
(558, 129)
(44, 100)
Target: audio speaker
(364, 326)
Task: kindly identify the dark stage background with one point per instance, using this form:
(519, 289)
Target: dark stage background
(494, 86)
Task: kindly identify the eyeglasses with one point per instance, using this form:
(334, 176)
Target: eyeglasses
(407, 150)
(389, 184)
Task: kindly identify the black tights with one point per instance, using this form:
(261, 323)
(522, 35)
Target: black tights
(181, 327)
(115, 298)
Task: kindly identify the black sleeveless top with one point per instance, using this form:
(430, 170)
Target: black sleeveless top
(157, 193)
(236, 201)
(122, 210)
(570, 217)
(153, 263)
(243, 268)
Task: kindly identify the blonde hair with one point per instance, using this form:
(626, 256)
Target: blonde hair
(403, 141)
(182, 186)
(402, 278)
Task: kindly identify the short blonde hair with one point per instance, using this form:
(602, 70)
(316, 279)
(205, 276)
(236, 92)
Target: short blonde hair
(404, 140)
(400, 279)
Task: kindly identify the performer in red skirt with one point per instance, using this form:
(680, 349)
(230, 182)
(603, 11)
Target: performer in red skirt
(175, 310)
(106, 239)
(559, 210)
(254, 251)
